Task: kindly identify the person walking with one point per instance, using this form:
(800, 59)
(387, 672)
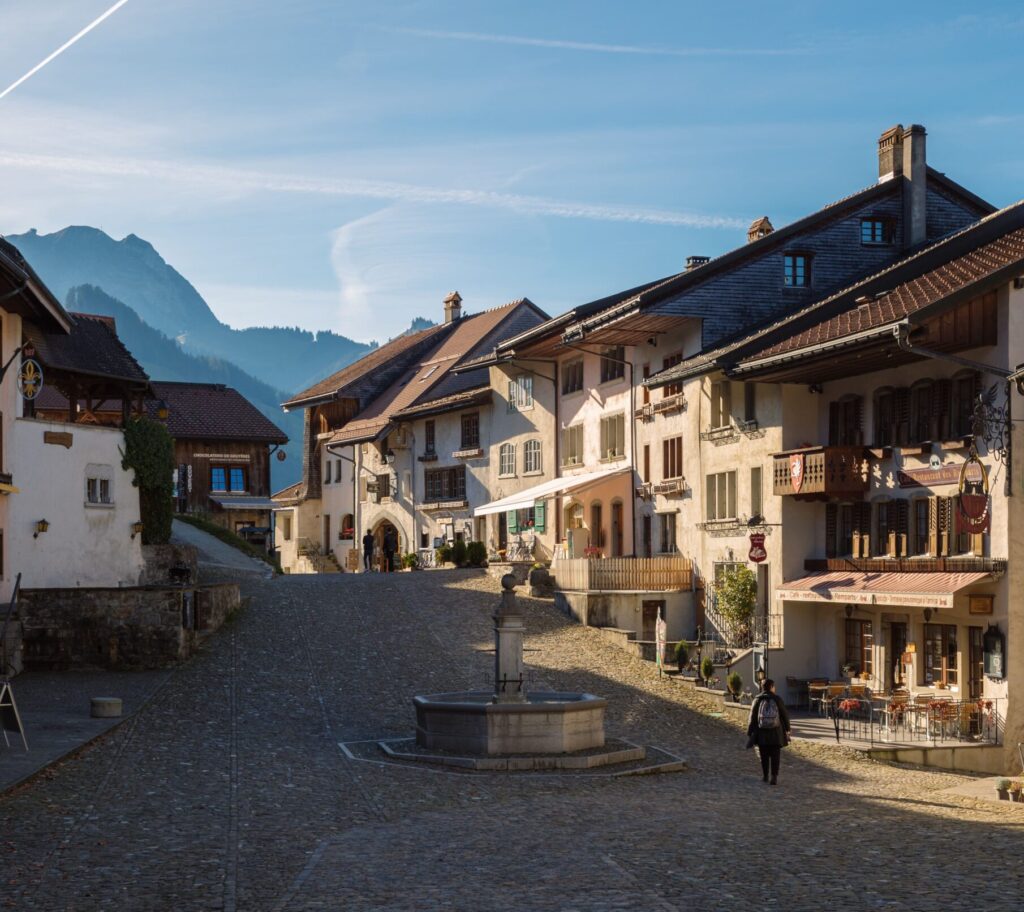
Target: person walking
(367, 551)
(769, 729)
(390, 547)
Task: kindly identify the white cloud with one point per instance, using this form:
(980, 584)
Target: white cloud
(567, 45)
(232, 181)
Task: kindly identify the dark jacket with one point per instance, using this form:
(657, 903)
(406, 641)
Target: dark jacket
(368, 543)
(390, 544)
(769, 737)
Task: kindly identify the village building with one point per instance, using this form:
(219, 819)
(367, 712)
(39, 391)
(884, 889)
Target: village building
(654, 461)
(69, 514)
(411, 455)
(223, 452)
(891, 487)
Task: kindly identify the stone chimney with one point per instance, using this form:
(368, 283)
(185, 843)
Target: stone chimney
(915, 188)
(890, 153)
(452, 307)
(759, 228)
(695, 262)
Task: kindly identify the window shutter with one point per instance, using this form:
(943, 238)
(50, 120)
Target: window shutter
(901, 412)
(726, 403)
(945, 525)
(834, 413)
(513, 521)
(941, 408)
(902, 523)
(978, 544)
(539, 516)
(862, 530)
(831, 528)
(933, 526)
(854, 415)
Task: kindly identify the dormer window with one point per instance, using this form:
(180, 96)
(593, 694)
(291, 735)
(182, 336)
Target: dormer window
(875, 231)
(796, 270)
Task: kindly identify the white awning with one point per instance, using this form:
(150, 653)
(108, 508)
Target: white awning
(527, 498)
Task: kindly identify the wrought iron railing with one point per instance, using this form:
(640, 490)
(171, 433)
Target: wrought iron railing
(916, 720)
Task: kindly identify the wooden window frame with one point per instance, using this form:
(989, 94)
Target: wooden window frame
(470, 426)
(672, 457)
(796, 269)
(507, 460)
(613, 363)
(533, 464)
(572, 377)
(948, 672)
(858, 645)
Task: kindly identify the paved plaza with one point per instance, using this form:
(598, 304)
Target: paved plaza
(229, 791)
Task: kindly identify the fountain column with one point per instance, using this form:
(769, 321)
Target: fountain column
(508, 646)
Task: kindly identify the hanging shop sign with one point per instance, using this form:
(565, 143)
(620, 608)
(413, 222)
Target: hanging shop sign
(757, 551)
(796, 471)
(974, 514)
(30, 378)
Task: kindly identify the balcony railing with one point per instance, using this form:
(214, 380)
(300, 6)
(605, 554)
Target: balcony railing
(644, 574)
(826, 470)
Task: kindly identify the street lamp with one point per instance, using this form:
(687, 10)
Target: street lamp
(41, 526)
(137, 528)
(162, 411)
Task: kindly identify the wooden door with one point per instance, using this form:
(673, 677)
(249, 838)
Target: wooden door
(327, 534)
(898, 646)
(650, 619)
(617, 529)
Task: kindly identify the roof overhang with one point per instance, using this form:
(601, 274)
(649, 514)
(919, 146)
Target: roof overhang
(564, 485)
(244, 503)
(909, 590)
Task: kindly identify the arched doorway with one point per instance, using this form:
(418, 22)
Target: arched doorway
(379, 531)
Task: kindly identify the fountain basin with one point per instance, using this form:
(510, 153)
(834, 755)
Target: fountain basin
(547, 722)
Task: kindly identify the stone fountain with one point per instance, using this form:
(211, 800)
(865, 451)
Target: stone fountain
(509, 720)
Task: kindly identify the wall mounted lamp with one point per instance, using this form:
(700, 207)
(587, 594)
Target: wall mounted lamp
(41, 526)
(389, 457)
(162, 411)
(927, 615)
(137, 528)
(849, 611)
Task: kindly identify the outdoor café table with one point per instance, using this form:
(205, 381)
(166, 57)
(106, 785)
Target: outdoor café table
(816, 692)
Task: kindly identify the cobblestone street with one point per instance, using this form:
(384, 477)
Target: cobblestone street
(229, 791)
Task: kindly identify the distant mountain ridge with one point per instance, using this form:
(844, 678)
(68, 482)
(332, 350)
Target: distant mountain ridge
(132, 271)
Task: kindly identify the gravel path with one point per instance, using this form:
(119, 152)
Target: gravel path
(228, 791)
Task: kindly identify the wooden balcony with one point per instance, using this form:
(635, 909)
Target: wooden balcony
(824, 471)
(644, 574)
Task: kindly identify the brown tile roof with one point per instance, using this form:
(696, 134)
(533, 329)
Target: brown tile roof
(419, 382)
(911, 296)
(212, 411)
(357, 370)
(287, 496)
(92, 348)
(444, 403)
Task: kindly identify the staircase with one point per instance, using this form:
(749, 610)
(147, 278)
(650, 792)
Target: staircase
(317, 562)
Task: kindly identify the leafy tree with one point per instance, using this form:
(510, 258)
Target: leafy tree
(149, 453)
(736, 599)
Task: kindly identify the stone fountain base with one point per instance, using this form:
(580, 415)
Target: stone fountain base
(545, 723)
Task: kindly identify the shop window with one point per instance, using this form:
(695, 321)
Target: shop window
(859, 640)
(940, 655)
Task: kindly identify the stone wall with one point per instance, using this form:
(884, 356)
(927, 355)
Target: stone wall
(160, 558)
(128, 628)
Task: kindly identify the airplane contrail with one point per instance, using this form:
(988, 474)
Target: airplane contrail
(63, 47)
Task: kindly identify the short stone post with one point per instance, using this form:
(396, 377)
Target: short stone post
(508, 646)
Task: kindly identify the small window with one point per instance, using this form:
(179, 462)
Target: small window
(572, 376)
(796, 270)
(672, 389)
(337, 470)
(922, 531)
(520, 393)
(531, 457)
(428, 438)
(721, 496)
(507, 460)
(237, 478)
(572, 445)
(667, 544)
(327, 471)
(756, 490)
(471, 431)
(613, 363)
(613, 436)
(721, 404)
(672, 457)
(218, 478)
(875, 231)
(97, 490)
(750, 402)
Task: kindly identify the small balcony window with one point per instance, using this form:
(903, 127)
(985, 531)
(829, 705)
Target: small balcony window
(875, 231)
(796, 270)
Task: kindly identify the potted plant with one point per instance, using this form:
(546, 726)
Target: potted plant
(682, 655)
(410, 561)
(848, 670)
(707, 670)
(1003, 789)
(735, 684)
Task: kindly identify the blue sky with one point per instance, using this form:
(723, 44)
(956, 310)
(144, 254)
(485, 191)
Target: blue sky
(342, 166)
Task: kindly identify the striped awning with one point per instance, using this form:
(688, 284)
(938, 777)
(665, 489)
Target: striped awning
(922, 590)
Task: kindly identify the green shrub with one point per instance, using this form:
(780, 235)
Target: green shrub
(736, 597)
(476, 554)
(707, 668)
(735, 683)
(410, 561)
(459, 553)
(149, 453)
(682, 652)
(444, 554)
